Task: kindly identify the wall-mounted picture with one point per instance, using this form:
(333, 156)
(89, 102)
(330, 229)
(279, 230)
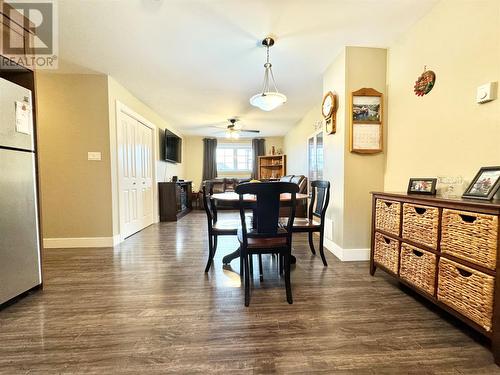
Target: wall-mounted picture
(485, 185)
(422, 186)
(366, 109)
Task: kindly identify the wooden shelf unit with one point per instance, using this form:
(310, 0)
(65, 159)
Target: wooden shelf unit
(272, 167)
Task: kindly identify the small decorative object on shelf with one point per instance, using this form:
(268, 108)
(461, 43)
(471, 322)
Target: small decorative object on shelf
(422, 186)
(273, 151)
(485, 185)
(366, 121)
(329, 111)
(424, 83)
(450, 187)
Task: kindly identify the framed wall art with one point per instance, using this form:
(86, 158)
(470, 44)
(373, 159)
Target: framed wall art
(366, 121)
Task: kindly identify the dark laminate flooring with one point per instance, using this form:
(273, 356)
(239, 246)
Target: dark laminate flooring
(147, 307)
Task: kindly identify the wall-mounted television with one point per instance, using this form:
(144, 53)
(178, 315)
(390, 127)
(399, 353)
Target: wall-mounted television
(173, 147)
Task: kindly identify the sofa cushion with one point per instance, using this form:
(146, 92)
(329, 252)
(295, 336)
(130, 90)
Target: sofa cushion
(286, 178)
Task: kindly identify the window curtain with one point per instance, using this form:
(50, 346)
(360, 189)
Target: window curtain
(209, 158)
(258, 149)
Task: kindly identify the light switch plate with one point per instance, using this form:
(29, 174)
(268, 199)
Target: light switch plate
(94, 156)
(487, 92)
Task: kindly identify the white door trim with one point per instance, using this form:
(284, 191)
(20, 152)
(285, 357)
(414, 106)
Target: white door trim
(122, 108)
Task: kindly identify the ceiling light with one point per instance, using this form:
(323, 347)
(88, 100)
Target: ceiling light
(268, 100)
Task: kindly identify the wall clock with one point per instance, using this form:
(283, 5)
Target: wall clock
(329, 111)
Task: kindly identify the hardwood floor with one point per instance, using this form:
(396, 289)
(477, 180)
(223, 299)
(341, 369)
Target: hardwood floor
(147, 307)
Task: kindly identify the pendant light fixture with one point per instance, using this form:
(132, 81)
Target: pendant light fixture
(268, 100)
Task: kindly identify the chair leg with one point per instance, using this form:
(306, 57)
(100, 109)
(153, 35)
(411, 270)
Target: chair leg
(241, 266)
(288, 286)
(260, 268)
(211, 253)
(280, 262)
(322, 253)
(215, 244)
(247, 280)
(250, 256)
(311, 243)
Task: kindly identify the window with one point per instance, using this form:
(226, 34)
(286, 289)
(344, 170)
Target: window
(234, 157)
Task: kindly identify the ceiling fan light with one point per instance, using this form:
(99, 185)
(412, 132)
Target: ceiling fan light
(267, 101)
(236, 135)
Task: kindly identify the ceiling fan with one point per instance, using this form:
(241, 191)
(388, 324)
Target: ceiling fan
(233, 132)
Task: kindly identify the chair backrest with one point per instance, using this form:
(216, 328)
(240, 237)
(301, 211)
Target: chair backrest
(319, 199)
(209, 204)
(266, 208)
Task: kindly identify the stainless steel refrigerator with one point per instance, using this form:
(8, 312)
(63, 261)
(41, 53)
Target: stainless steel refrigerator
(20, 268)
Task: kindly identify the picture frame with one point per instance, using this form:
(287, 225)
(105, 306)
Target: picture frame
(367, 118)
(422, 186)
(484, 185)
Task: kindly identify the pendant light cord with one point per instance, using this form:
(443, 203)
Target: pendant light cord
(268, 67)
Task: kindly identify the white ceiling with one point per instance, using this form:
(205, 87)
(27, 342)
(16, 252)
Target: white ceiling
(197, 62)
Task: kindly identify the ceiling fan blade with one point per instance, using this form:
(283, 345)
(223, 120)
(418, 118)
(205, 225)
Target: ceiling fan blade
(249, 131)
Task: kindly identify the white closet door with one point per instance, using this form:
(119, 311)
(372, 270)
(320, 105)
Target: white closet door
(146, 178)
(135, 145)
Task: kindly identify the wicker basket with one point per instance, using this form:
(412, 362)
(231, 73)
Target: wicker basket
(420, 224)
(470, 236)
(418, 267)
(387, 216)
(386, 252)
(467, 291)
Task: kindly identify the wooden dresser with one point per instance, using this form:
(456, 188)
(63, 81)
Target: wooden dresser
(444, 249)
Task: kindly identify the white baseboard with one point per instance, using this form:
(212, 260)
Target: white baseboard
(65, 243)
(347, 255)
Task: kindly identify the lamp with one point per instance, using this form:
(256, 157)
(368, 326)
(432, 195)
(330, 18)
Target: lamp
(268, 100)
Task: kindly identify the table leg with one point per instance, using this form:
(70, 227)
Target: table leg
(228, 258)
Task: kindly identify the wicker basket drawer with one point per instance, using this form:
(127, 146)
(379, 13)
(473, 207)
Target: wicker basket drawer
(467, 291)
(418, 267)
(470, 236)
(388, 216)
(420, 224)
(386, 252)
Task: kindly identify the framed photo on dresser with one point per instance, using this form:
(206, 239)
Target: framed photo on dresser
(485, 184)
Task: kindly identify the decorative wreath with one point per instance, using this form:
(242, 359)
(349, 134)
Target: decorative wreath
(424, 83)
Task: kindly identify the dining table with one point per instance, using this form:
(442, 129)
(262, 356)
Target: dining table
(231, 198)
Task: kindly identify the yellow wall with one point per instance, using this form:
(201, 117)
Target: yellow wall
(295, 141)
(77, 114)
(352, 176)
(363, 173)
(72, 120)
(444, 133)
(164, 170)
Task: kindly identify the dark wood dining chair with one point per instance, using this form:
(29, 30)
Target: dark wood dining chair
(215, 227)
(315, 222)
(267, 235)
